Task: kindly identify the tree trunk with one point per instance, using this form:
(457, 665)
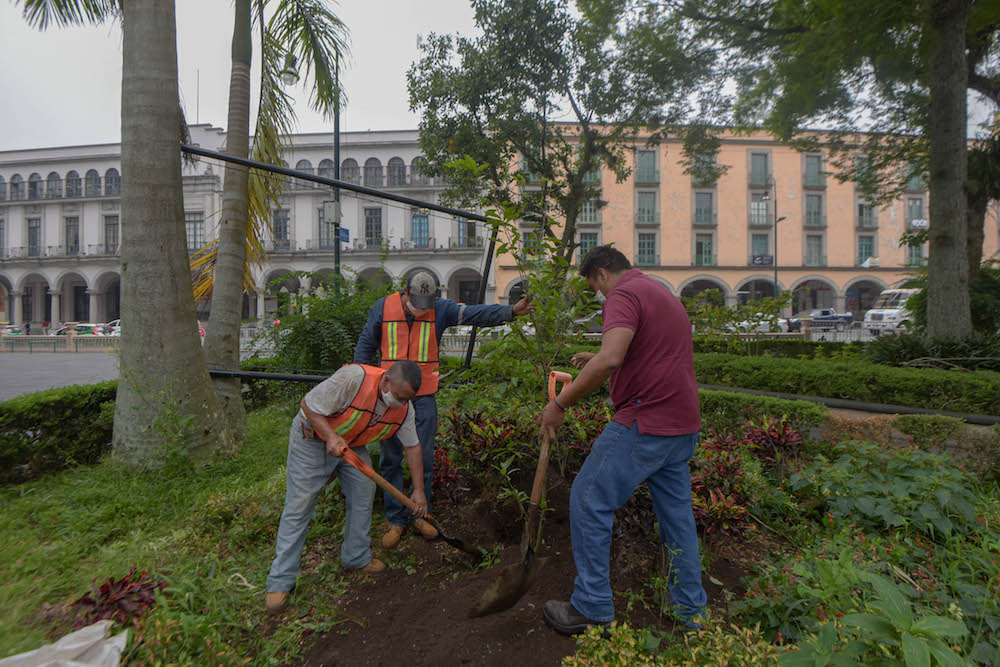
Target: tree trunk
(222, 340)
(978, 202)
(165, 404)
(948, 311)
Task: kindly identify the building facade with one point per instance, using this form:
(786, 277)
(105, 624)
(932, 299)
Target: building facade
(832, 249)
(60, 225)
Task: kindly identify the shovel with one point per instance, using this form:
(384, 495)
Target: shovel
(515, 580)
(355, 461)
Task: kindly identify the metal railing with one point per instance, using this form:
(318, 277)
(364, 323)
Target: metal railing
(645, 217)
(815, 220)
(103, 250)
(815, 260)
(647, 259)
(647, 176)
(388, 176)
(704, 218)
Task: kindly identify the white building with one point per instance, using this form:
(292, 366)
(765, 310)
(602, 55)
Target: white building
(60, 225)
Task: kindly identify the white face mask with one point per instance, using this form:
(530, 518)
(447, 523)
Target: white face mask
(599, 295)
(391, 400)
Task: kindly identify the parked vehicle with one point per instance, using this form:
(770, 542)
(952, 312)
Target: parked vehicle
(889, 314)
(761, 323)
(13, 330)
(85, 329)
(114, 327)
(829, 318)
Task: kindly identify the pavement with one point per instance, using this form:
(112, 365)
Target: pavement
(24, 373)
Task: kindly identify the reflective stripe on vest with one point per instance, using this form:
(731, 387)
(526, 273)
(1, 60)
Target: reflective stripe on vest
(354, 424)
(417, 342)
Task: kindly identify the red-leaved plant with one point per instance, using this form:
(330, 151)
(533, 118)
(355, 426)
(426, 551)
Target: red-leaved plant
(773, 440)
(124, 600)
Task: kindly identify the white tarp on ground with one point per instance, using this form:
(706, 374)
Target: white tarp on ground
(91, 646)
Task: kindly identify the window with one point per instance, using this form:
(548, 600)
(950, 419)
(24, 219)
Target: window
(529, 242)
(373, 173)
(373, 226)
(418, 175)
(588, 213)
(326, 168)
(279, 225)
(916, 181)
(866, 216)
(3, 240)
(915, 255)
(646, 255)
(593, 176)
(866, 248)
(3, 189)
(111, 234)
(350, 172)
(468, 291)
(420, 230)
(194, 228)
(306, 167)
(466, 233)
(34, 237)
(645, 168)
(72, 224)
(703, 170)
(914, 209)
(327, 238)
(396, 172)
(704, 250)
(814, 211)
(73, 186)
(645, 213)
(814, 172)
(814, 250)
(53, 186)
(760, 210)
(760, 245)
(92, 183)
(704, 209)
(112, 183)
(17, 191)
(588, 241)
(35, 186)
(759, 170)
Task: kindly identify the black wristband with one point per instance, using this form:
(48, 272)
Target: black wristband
(558, 406)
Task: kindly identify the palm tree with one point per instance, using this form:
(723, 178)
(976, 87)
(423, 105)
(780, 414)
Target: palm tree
(298, 30)
(165, 397)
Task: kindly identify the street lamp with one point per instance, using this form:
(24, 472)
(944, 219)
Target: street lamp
(773, 197)
(290, 76)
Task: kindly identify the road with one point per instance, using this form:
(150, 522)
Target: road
(22, 373)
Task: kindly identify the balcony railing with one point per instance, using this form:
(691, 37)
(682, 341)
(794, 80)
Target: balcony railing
(815, 260)
(589, 218)
(394, 176)
(278, 245)
(645, 217)
(760, 219)
(63, 189)
(466, 242)
(813, 180)
(647, 259)
(418, 243)
(647, 176)
(103, 250)
(815, 220)
(867, 221)
(704, 259)
(704, 218)
(62, 250)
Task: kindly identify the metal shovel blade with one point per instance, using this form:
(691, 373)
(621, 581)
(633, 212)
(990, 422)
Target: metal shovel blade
(513, 582)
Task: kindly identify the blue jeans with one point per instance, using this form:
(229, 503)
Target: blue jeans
(307, 470)
(391, 458)
(619, 462)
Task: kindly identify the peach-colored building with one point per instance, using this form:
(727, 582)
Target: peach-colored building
(833, 250)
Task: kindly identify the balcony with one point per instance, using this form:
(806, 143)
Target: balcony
(466, 242)
(815, 260)
(103, 250)
(760, 219)
(647, 218)
(278, 245)
(589, 218)
(814, 181)
(704, 259)
(62, 189)
(386, 177)
(867, 221)
(703, 218)
(63, 251)
(815, 220)
(647, 176)
(647, 259)
(57, 251)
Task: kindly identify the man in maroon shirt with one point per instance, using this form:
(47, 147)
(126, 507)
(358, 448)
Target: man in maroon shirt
(646, 350)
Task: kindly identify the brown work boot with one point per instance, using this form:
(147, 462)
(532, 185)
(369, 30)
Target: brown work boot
(392, 536)
(275, 602)
(427, 531)
(375, 566)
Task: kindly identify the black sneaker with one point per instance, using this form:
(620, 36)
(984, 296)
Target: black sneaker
(564, 618)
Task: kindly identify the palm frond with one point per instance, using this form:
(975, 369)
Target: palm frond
(42, 14)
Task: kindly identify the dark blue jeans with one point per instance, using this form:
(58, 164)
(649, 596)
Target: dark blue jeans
(619, 462)
(391, 458)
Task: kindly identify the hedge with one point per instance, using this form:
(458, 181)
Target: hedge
(55, 429)
(956, 391)
(731, 410)
(782, 347)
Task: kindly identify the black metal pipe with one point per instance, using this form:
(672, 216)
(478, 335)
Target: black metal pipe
(260, 375)
(482, 296)
(332, 182)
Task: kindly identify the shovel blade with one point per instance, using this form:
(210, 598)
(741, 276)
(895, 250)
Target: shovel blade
(508, 588)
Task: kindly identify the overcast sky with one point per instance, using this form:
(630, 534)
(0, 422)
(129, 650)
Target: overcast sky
(63, 86)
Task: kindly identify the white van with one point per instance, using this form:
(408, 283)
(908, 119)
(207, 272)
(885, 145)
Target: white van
(889, 312)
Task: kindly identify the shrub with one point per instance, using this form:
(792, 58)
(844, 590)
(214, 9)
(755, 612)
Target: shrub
(798, 348)
(54, 429)
(860, 381)
(259, 392)
(928, 430)
(980, 351)
(731, 410)
(123, 600)
(877, 428)
(718, 486)
(615, 646)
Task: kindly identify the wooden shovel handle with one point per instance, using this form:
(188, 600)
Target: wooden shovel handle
(355, 461)
(543, 457)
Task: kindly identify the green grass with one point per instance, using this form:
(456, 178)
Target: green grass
(209, 532)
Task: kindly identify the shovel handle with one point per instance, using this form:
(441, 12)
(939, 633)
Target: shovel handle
(543, 456)
(356, 462)
(558, 376)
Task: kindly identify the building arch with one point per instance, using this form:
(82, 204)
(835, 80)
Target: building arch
(463, 284)
(92, 183)
(74, 187)
(514, 291)
(860, 294)
(35, 186)
(372, 276)
(112, 184)
(326, 168)
(396, 172)
(373, 173)
(663, 282)
(17, 191)
(418, 168)
(3, 189)
(753, 287)
(6, 307)
(695, 285)
(350, 172)
(813, 291)
(53, 185)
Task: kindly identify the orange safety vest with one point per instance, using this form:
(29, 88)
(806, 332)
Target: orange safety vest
(417, 343)
(355, 423)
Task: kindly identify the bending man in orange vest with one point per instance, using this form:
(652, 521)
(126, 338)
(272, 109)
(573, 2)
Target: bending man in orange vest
(409, 325)
(355, 406)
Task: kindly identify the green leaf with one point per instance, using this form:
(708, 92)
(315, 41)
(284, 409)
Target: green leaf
(652, 642)
(877, 625)
(866, 504)
(939, 626)
(944, 655)
(827, 637)
(800, 658)
(893, 603)
(915, 651)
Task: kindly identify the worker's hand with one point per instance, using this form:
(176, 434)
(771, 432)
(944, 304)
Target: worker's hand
(552, 419)
(335, 446)
(523, 307)
(418, 498)
(580, 359)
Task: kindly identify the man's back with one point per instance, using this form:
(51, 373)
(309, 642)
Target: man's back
(655, 383)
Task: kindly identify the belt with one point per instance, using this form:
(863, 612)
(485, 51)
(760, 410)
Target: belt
(309, 433)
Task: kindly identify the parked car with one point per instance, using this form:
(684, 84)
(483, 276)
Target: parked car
(828, 318)
(889, 312)
(114, 327)
(85, 329)
(13, 330)
(761, 323)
